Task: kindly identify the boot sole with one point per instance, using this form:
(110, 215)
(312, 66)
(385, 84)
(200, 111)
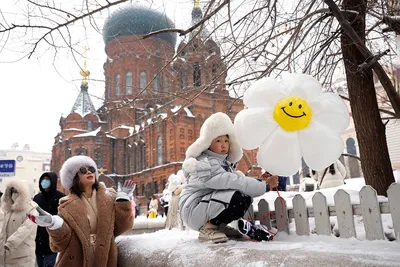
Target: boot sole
(217, 240)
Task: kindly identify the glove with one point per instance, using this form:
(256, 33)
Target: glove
(126, 191)
(44, 219)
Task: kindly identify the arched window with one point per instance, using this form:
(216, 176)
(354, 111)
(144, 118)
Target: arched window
(143, 81)
(143, 189)
(99, 139)
(156, 187)
(117, 83)
(157, 83)
(164, 183)
(108, 88)
(351, 146)
(196, 74)
(89, 126)
(128, 86)
(159, 151)
(137, 190)
(214, 70)
(99, 159)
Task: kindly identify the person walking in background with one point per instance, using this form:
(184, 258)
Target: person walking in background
(165, 199)
(153, 207)
(17, 237)
(89, 218)
(48, 200)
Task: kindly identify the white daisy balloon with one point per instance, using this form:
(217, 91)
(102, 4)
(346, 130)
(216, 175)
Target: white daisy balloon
(291, 120)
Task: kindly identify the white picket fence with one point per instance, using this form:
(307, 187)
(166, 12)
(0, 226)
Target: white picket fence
(369, 208)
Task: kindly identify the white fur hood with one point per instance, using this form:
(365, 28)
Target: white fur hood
(23, 200)
(71, 167)
(216, 125)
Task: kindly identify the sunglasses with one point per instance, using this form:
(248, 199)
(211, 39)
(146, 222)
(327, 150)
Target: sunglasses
(84, 170)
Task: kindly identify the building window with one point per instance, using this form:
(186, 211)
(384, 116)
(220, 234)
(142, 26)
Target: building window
(137, 158)
(137, 191)
(156, 187)
(166, 85)
(159, 151)
(214, 71)
(196, 75)
(99, 160)
(164, 183)
(128, 85)
(117, 83)
(143, 157)
(89, 126)
(181, 81)
(108, 88)
(157, 84)
(143, 189)
(99, 139)
(143, 81)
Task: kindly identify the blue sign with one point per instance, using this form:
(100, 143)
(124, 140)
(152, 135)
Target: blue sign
(7, 168)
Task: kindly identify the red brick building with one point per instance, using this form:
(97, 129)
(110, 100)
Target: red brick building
(154, 106)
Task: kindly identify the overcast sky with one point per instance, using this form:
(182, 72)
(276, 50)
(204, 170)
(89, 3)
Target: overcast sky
(36, 92)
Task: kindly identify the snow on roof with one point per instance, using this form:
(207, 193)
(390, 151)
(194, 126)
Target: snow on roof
(186, 109)
(92, 133)
(188, 112)
(75, 129)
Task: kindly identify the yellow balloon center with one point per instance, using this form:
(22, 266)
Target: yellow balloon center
(292, 113)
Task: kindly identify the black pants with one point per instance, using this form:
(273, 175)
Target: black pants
(237, 207)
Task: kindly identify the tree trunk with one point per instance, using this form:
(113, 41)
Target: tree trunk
(375, 161)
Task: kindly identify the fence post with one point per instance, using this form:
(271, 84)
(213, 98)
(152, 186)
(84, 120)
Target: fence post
(394, 202)
(300, 215)
(321, 214)
(264, 213)
(371, 213)
(344, 213)
(281, 213)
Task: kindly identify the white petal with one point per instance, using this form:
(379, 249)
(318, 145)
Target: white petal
(265, 92)
(320, 146)
(330, 110)
(302, 85)
(253, 126)
(280, 154)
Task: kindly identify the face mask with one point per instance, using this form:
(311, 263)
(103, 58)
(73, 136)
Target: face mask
(45, 183)
(14, 196)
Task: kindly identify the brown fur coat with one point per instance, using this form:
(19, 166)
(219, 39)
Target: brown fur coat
(72, 239)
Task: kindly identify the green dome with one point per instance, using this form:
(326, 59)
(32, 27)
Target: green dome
(131, 20)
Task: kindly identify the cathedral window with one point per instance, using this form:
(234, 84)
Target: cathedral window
(166, 85)
(164, 183)
(159, 151)
(89, 125)
(181, 82)
(117, 83)
(99, 139)
(156, 187)
(137, 156)
(143, 157)
(99, 159)
(214, 71)
(196, 74)
(157, 83)
(143, 189)
(108, 89)
(143, 81)
(128, 83)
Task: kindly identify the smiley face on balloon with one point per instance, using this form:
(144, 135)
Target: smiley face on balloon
(290, 120)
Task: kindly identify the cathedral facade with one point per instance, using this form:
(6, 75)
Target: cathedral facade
(157, 97)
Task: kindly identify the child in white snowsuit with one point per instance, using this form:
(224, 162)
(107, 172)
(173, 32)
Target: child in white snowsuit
(215, 195)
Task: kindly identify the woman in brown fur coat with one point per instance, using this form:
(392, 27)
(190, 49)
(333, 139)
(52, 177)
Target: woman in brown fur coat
(88, 219)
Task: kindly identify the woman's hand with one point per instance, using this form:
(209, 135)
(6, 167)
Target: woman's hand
(271, 180)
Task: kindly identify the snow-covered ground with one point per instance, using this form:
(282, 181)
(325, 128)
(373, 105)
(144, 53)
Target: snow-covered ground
(182, 248)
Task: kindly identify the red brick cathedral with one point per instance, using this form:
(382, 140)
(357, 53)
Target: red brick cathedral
(156, 99)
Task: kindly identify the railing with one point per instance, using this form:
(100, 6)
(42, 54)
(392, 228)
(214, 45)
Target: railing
(369, 208)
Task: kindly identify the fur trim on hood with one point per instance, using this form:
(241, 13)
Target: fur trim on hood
(71, 167)
(21, 202)
(216, 125)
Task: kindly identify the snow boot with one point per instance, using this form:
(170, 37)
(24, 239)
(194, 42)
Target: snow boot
(253, 231)
(210, 232)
